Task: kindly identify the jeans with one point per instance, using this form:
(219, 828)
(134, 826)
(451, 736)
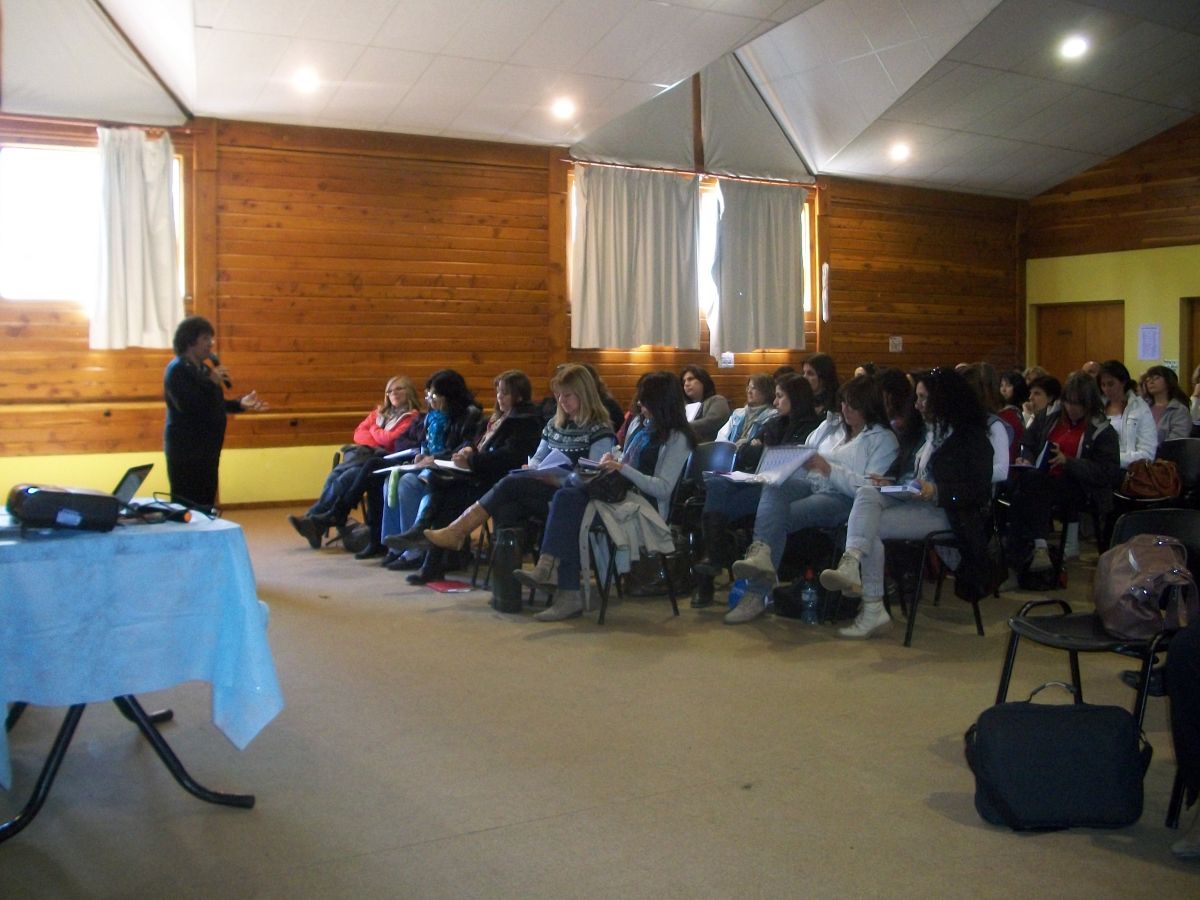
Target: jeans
(732, 499)
(517, 498)
(876, 517)
(562, 533)
(791, 506)
(411, 499)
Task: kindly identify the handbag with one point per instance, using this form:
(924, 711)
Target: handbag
(1149, 480)
(605, 487)
(1045, 767)
(1131, 579)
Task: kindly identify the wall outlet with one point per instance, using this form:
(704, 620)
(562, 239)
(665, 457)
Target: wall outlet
(895, 344)
(726, 361)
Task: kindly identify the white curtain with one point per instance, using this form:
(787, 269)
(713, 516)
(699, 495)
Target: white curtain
(139, 302)
(633, 265)
(759, 269)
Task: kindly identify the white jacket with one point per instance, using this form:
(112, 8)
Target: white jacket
(1138, 433)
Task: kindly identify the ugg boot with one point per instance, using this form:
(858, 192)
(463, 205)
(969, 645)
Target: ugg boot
(752, 605)
(544, 575)
(567, 604)
(846, 578)
(456, 533)
(756, 563)
(872, 620)
(718, 547)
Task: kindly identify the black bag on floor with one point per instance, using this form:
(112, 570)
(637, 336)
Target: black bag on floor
(1045, 767)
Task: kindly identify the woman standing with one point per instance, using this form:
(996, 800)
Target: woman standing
(652, 462)
(708, 410)
(1168, 403)
(196, 409)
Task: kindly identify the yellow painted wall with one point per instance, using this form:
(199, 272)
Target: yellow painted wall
(281, 474)
(1151, 282)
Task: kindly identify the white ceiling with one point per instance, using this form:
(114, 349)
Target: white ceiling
(972, 85)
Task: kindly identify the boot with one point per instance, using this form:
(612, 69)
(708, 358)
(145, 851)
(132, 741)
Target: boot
(845, 578)
(756, 563)
(714, 531)
(456, 533)
(544, 575)
(432, 569)
(752, 605)
(705, 591)
(872, 620)
(311, 528)
(413, 539)
(567, 605)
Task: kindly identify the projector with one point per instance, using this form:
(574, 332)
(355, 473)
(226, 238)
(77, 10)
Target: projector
(44, 506)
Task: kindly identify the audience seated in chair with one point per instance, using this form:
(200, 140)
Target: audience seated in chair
(1070, 459)
(451, 423)
(745, 423)
(510, 438)
(709, 410)
(581, 427)
(393, 425)
(1169, 404)
(652, 461)
(950, 486)
(821, 493)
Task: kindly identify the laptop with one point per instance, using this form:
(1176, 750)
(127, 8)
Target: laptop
(128, 486)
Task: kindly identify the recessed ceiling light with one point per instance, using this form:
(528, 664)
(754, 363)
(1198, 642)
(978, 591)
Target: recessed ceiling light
(1073, 47)
(306, 80)
(563, 108)
(899, 151)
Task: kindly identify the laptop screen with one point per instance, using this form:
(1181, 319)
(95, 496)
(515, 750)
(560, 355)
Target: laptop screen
(130, 482)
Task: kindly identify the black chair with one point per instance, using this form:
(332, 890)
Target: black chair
(930, 544)
(1083, 633)
(1185, 453)
(711, 456)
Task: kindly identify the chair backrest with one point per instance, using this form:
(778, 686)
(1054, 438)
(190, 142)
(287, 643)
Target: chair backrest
(711, 456)
(1181, 524)
(1185, 453)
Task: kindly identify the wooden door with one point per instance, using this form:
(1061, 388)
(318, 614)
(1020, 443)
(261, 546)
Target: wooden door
(1190, 309)
(1069, 334)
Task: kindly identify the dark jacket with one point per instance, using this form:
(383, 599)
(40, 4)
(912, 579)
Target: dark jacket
(1097, 466)
(961, 468)
(510, 447)
(776, 431)
(196, 411)
(460, 431)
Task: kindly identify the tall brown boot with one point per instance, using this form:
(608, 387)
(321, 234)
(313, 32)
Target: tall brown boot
(456, 533)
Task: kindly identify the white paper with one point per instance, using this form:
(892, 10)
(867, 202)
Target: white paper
(912, 487)
(1149, 342)
(451, 465)
(403, 454)
(692, 410)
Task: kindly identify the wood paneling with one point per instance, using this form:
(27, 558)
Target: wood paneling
(1146, 197)
(939, 270)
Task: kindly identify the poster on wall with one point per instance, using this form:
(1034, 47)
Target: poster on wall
(1149, 342)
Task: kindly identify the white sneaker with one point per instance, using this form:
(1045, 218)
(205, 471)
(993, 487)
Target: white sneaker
(872, 620)
(846, 578)
(1071, 549)
(567, 605)
(752, 605)
(756, 563)
(1040, 562)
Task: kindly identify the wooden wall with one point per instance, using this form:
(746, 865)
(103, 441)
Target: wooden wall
(942, 271)
(1144, 198)
(329, 260)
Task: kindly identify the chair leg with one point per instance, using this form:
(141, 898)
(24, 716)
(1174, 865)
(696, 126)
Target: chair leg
(916, 600)
(1075, 679)
(665, 570)
(978, 618)
(1010, 657)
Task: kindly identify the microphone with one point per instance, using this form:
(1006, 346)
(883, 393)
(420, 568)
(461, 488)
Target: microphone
(215, 360)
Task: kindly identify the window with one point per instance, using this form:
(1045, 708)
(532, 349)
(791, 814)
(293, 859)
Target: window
(50, 222)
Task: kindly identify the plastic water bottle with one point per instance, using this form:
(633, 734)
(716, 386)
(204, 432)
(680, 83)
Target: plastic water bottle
(808, 599)
(736, 591)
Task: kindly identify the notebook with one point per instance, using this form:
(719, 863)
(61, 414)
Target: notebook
(775, 466)
(128, 486)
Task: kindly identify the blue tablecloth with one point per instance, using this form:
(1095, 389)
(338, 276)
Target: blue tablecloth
(90, 616)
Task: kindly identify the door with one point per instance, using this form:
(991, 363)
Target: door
(1070, 334)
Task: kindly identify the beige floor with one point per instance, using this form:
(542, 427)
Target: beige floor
(434, 748)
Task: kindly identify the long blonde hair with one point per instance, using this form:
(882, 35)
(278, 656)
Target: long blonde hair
(413, 398)
(578, 380)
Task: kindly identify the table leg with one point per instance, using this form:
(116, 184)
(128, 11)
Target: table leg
(49, 770)
(131, 709)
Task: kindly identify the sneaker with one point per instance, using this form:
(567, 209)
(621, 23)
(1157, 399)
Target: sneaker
(752, 605)
(846, 578)
(872, 620)
(756, 563)
(1040, 561)
(1071, 549)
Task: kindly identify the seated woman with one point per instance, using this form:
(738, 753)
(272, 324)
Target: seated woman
(1080, 461)
(511, 436)
(1044, 391)
(393, 425)
(652, 461)
(727, 501)
(820, 494)
(580, 427)
(1130, 417)
(1168, 403)
(1195, 405)
(985, 385)
(952, 477)
(450, 424)
(709, 410)
(1014, 392)
(745, 423)
(821, 374)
